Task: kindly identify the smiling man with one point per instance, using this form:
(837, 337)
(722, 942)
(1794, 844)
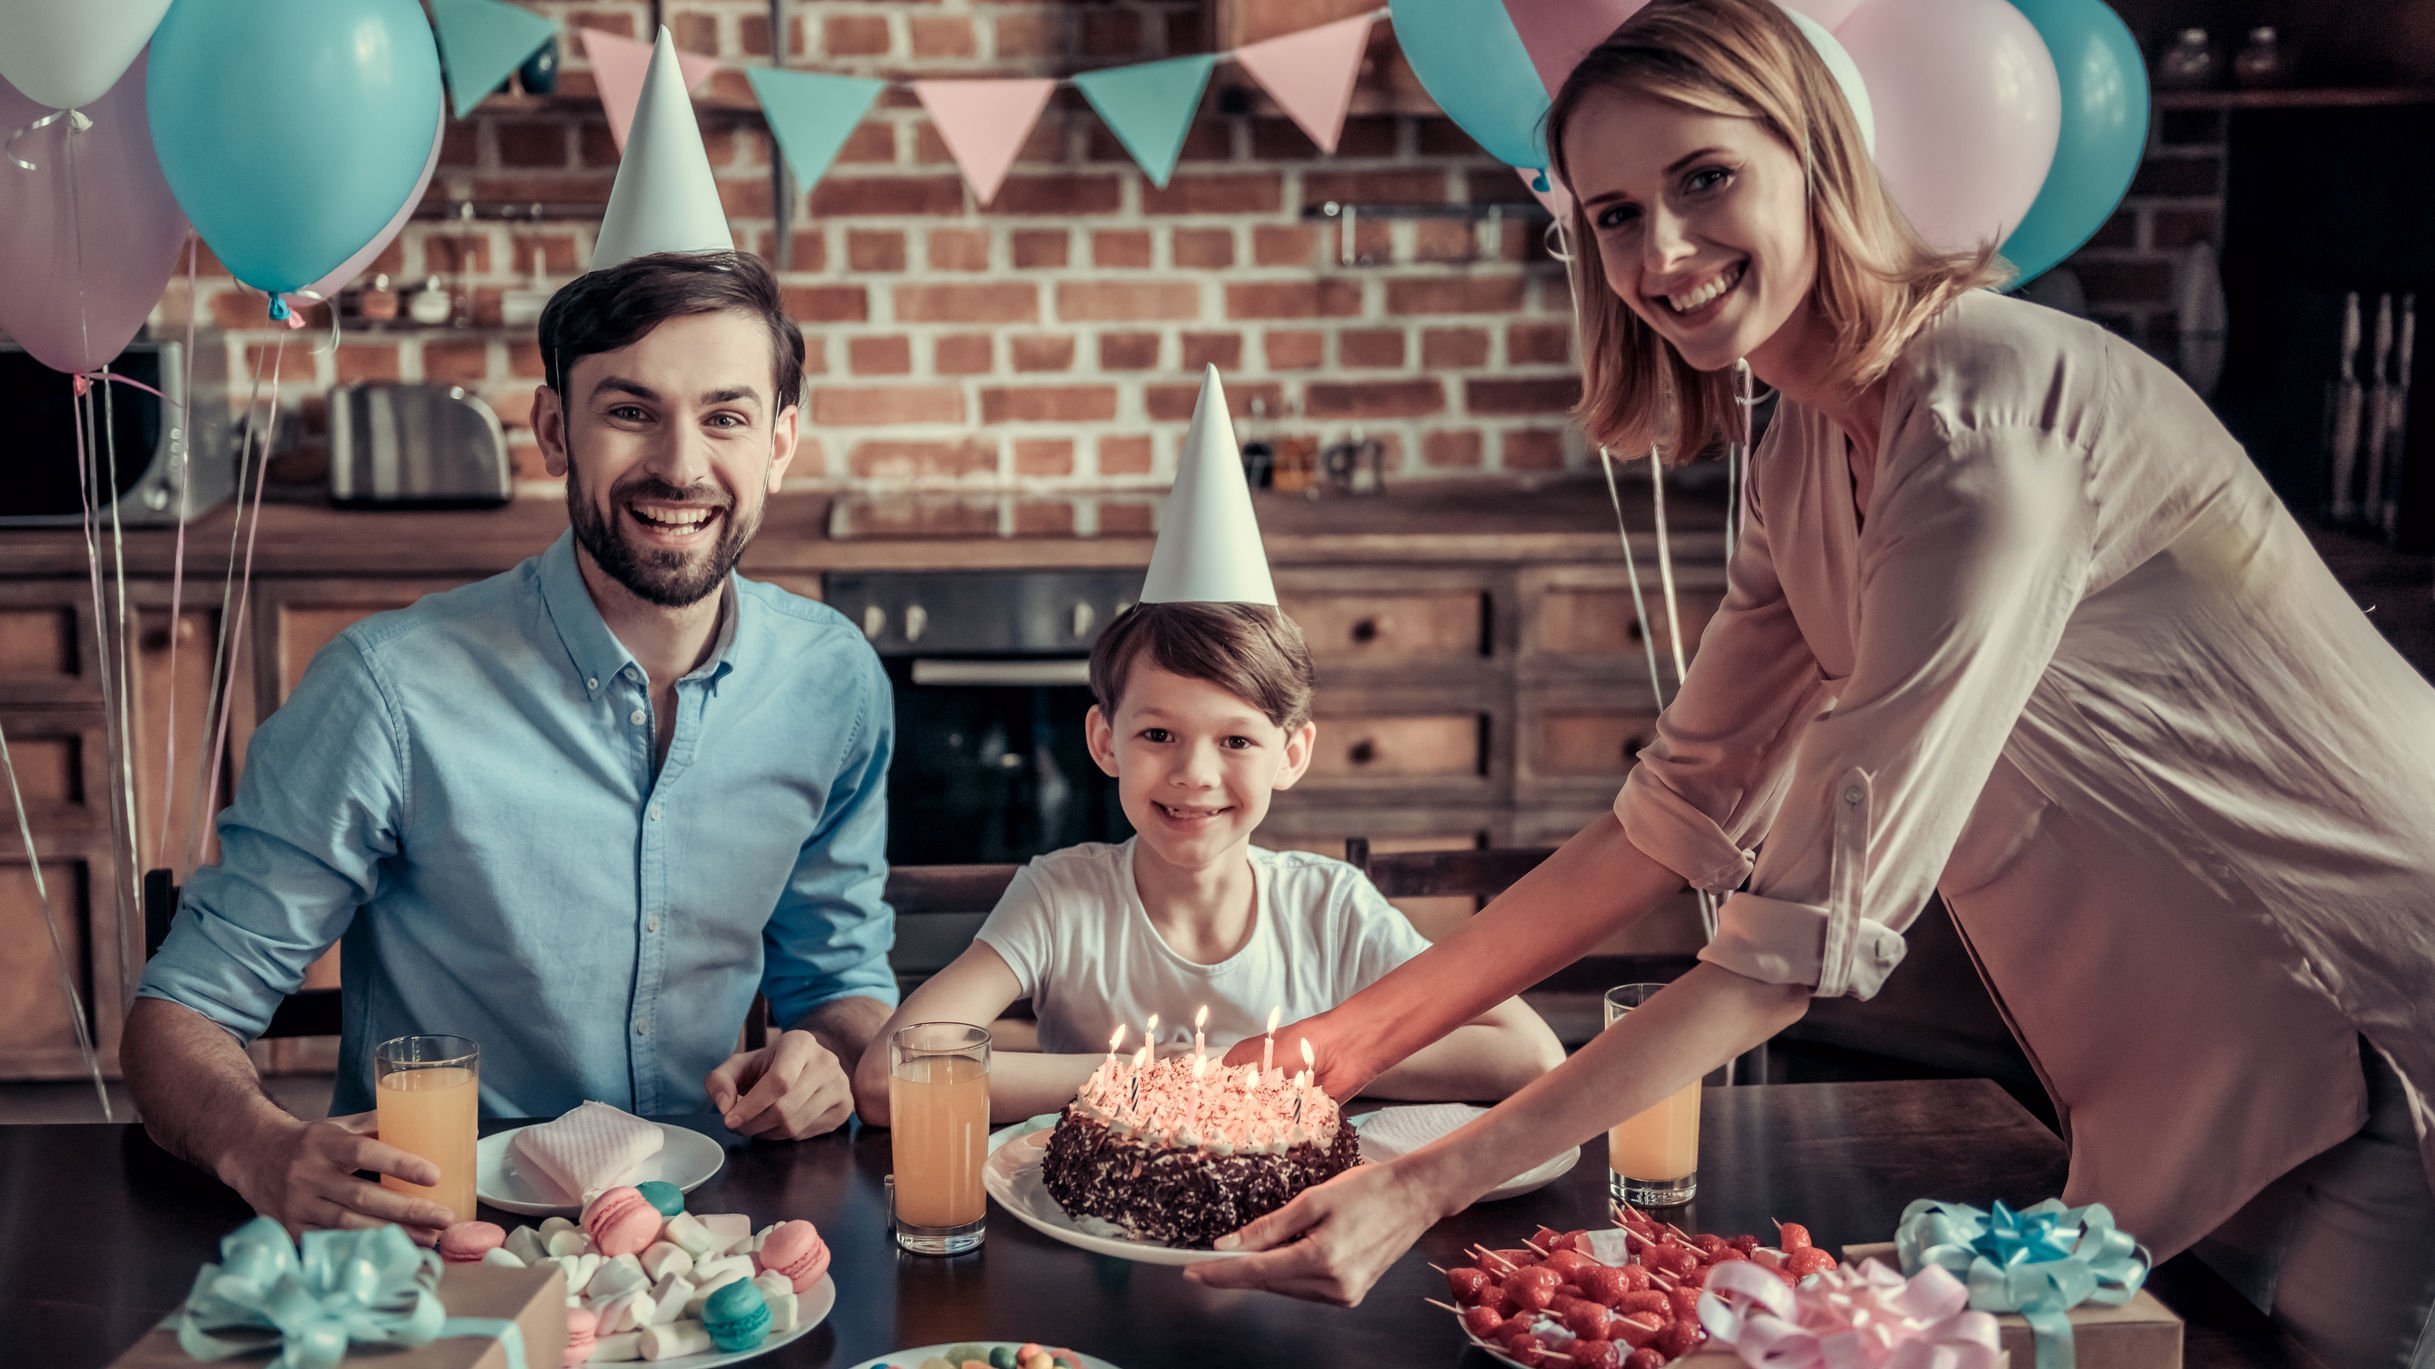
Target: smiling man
(579, 812)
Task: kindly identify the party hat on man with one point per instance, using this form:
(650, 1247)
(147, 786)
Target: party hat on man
(665, 199)
(1208, 548)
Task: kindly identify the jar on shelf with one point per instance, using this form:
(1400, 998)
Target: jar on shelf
(2263, 60)
(2190, 63)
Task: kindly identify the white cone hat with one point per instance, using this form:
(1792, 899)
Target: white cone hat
(1208, 548)
(665, 199)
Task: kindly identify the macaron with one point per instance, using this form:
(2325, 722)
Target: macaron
(621, 1222)
(582, 1329)
(795, 1250)
(663, 1196)
(737, 1317)
(468, 1242)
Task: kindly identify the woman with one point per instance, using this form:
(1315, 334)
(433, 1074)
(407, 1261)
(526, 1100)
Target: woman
(2013, 617)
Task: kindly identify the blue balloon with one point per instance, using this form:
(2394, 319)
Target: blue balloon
(2104, 130)
(291, 130)
(1472, 63)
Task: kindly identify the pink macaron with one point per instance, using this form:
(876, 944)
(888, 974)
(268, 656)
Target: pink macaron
(795, 1250)
(622, 1222)
(468, 1242)
(582, 1332)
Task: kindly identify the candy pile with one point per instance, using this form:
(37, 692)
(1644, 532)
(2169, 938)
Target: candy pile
(1024, 1356)
(1626, 1297)
(647, 1280)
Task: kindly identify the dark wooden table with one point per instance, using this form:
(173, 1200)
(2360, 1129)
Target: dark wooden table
(104, 1233)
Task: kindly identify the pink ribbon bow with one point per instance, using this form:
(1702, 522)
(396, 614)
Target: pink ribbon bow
(1868, 1317)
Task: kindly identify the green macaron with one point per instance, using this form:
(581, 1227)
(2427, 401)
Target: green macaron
(737, 1317)
(664, 1197)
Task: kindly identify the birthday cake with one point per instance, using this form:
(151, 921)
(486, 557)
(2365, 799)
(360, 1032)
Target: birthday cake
(1181, 1151)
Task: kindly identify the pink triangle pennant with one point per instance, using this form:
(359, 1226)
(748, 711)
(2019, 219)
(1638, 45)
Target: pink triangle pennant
(1311, 74)
(618, 67)
(984, 124)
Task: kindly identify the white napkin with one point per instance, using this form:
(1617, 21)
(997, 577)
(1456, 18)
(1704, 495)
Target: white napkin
(590, 1149)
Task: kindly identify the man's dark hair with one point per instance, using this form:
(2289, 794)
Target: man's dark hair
(602, 311)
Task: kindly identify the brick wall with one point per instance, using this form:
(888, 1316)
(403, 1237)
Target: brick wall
(1053, 339)
(2176, 199)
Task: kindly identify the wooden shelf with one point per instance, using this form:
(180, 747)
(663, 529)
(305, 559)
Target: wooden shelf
(2296, 97)
(588, 103)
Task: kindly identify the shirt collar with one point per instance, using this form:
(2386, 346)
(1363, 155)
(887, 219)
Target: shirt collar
(591, 647)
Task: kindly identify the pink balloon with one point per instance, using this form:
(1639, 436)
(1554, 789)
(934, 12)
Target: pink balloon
(90, 236)
(1968, 109)
(1559, 33)
(328, 286)
(1831, 13)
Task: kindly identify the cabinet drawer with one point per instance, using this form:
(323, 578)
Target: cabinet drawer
(41, 652)
(1587, 743)
(1353, 628)
(1600, 620)
(1442, 745)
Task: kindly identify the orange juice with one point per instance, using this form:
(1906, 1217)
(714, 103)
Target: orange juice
(1660, 1145)
(431, 1113)
(938, 1108)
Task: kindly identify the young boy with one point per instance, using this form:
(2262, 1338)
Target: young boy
(1202, 714)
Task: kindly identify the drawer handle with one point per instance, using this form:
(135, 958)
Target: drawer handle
(1362, 752)
(1365, 630)
(1633, 631)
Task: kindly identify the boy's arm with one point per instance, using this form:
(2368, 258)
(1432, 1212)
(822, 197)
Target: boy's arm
(1485, 1059)
(975, 988)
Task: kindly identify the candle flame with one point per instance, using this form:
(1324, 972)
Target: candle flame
(1273, 1014)
(1150, 1031)
(1117, 1039)
(1251, 1079)
(1308, 1061)
(1141, 1058)
(1201, 1019)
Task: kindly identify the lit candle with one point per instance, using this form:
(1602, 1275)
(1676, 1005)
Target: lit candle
(1268, 1048)
(1149, 1036)
(1113, 1043)
(1200, 1043)
(1251, 1079)
(1309, 1064)
(1200, 1066)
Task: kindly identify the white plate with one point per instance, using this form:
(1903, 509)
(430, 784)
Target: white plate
(813, 1307)
(503, 1180)
(1012, 1176)
(1391, 1132)
(912, 1359)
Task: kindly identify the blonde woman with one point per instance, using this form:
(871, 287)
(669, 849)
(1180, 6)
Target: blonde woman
(2014, 618)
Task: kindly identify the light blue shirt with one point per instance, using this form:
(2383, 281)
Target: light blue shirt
(462, 795)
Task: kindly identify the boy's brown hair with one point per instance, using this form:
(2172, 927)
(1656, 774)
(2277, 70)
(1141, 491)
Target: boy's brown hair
(1251, 651)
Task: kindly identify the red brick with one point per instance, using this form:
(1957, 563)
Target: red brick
(875, 249)
(458, 254)
(532, 142)
(1035, 34)
(2148, 281)
(901, 461)
(1376, 187)
(1046, 517)
(579, 187)
(461, 145)
(1118, 518)
(1455, 349)
(1452, 451)
(1374, 399)
(1498, 187)
(1209, 141)
(1541, 395)
(1128, 351)
(1455, 295)
(963, 354)
(878, 406)
(747, 199)
(1204, 249)
(2122, 230)
(1044, 456)
(622, 22)
(695, 32)
(1295, 299)
(838, 196)
(827, 303)
(1281, 140)
(1437, 240)
(816, 355)
(959, 249)
(1174, 403)
(1530, 344)
(871, 143)
(1111, 33)
(980, 302)
(944, 35)
(1121, 249)
(1123, 456)
(1128, 301)
(879, 356)
(456, 361)
(1370, 347)
(854, 35)
(1059, 195)
(1294, 349)
(1275, 244)
(753, 36)
(1222, 350)
(1044, 352)
(1049, 404)
(1532, 451)
(2173, 229)
(1041, 248)
(367, 361)
(1218, 193)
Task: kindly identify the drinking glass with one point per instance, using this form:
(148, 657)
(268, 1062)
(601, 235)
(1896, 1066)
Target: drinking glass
(1652, 1159)
(938, 1113)
(426, 1092)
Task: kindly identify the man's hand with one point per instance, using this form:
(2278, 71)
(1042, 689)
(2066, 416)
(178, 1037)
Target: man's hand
(303, 1174)
(788, 1090)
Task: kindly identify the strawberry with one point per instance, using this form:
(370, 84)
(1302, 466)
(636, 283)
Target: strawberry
(1482, 1322)
(1467, 1284)
(1745, 1244)
(1678, 1339)
(1646, 1357)
(1792, 1236)
(1649, 1300)
(1586, 1320)
(1686, 1304)
(1638, 1329)
(1595, 1354)
(1635, 1278)
(1806, 1261)
(1708, 1245)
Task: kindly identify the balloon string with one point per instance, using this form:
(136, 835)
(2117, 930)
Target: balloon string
(78, 401)
(222, 659)
(245, 577)
(77, 123)
(180, 462)
(124, 821)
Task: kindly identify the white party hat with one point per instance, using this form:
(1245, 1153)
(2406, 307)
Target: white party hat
(1208, 548)
(665, 199)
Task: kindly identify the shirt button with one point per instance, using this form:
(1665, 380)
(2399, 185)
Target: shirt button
(652, 925)
(591, 682)
(655, 812)
(642, 1026)
(1852, 795)
(637, 717)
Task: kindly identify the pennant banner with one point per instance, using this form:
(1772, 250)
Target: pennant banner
(811, 114)
(482, 42)
(984, 124)
(1311, 74)
(618, 67)
(1149, 106)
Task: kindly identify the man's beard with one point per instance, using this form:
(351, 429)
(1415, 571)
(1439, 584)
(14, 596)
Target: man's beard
(671, 579)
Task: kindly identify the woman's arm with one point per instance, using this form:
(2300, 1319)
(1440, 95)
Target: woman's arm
(1488, 1057)
(975, 988)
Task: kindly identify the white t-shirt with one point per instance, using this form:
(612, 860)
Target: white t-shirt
(1073, 929)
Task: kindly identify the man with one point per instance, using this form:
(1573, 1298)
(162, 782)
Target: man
(578, 812)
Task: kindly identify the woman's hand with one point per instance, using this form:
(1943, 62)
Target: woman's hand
(1342, 1070)
(1331, 1243)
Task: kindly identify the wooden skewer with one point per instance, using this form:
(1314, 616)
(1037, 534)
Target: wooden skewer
(1484, 1252)
(1447, 1305)
(1535, 1246)
(1439, 1268)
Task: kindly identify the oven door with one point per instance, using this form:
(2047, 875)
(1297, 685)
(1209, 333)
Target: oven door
(992, 765)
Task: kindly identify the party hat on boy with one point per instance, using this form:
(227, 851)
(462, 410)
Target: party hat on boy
(665, 199)
(1208, 548)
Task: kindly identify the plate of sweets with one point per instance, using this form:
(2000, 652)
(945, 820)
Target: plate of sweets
(1155, 1159)
(648, 1280)
(991, 1354)
(1620, 1297)
(551, 1168)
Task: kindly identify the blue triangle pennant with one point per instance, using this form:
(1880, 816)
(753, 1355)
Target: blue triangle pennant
(1150, 106)
(482, 42)
(811, 114)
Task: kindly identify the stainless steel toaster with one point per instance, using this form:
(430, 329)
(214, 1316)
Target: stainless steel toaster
(395, 443)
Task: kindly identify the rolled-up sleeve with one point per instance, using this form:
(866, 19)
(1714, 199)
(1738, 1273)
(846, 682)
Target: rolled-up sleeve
(830, 935)
(1976, 551)
(320, 808)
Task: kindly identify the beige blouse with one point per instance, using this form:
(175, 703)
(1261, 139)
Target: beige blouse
(2078, 670)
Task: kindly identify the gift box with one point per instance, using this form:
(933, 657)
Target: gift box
(533, 1300)
(2139, 1334)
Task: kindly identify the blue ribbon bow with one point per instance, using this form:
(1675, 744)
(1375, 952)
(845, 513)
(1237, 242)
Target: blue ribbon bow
(2040, 1261)
(310, 1300)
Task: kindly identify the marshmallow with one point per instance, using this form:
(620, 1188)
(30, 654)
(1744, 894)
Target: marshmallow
(783, 1312)
(501, 1255)
(709, 1283)
(727, 1230)
(626, 1345)
(616, 1277)
(675, 1339)
(527, 1245)
(551, 1226)
(579, 1271)
(772, 1283)
(672, 1293)
(664, 1259)
(687, 1232)
(626, 1311)
(568, 1243)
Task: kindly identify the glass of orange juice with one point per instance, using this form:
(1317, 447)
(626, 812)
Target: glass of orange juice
(1652, 1160)
(938, 1113)
(426, 1090)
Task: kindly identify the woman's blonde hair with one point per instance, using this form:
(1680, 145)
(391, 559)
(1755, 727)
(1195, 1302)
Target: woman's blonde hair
(1747, 59)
